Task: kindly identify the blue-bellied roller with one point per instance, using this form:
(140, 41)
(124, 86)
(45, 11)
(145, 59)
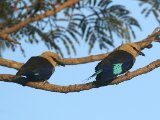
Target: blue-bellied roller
(117, 62)
(39, 68)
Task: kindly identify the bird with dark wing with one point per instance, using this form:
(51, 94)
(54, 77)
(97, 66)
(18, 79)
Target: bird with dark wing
(39, 68)
(117, 62)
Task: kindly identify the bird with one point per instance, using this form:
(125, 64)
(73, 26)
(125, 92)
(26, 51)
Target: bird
(116, 63)
(39, 68)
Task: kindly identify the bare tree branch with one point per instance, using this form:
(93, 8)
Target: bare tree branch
(146, 42)
(10, 63)
(67, 61)
(8, 38)
(79, 87)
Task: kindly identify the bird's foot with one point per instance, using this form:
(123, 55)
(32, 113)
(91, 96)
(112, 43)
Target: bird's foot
(45, 82)
(127, 73)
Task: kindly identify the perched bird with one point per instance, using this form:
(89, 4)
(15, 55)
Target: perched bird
(39, 68)
(117, 62)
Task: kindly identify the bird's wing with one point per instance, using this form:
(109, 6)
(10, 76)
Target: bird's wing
(116, 57)
(32, 65)
(114, 64)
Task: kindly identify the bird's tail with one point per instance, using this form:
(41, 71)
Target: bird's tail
(96, 73)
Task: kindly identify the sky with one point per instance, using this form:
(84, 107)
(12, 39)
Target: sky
(135, 99)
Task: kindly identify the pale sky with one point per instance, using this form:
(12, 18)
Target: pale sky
(132, 100)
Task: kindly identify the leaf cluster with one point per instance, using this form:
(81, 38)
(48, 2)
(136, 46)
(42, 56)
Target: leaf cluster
(151, 7)
(96, 22)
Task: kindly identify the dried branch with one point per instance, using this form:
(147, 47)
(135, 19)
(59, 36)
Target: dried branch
(83, 60)
(79, 87)
(10, 63)
(8, 38)
(66, 61)
(147, 42)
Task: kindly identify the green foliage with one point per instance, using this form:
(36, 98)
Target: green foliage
(151, 7)
(94, 21)
(104, 21)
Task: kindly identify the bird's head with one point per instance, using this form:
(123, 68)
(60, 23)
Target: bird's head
(132, 48)
(52, 57)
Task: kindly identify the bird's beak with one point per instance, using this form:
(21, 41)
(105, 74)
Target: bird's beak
(62, 64)
(141, 53)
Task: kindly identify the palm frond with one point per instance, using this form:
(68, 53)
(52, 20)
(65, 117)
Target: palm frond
(150, 7)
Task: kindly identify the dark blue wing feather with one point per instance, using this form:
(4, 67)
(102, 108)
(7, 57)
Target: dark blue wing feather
(37, 68)
(119, 58)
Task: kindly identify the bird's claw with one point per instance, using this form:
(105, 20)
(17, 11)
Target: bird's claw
(127, 73)
(44, 82)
